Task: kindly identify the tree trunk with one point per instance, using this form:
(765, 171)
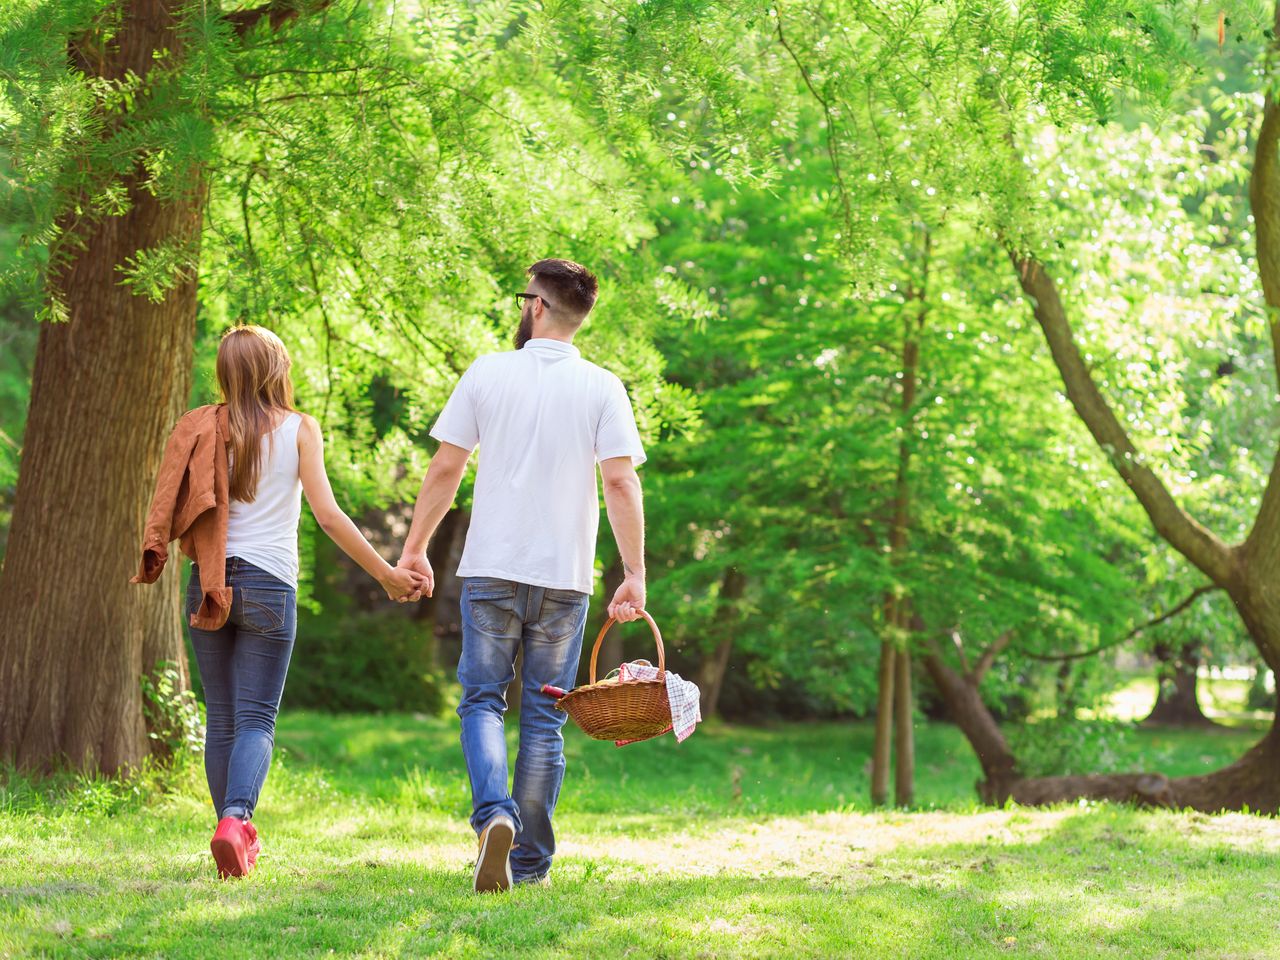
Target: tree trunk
(968, 711)
(882, 748)
(1250, 571)
(1253, 781)
(712, 670)
(903, 719)
(895, 661)
(1259, 697)
(444, 610)
(108, 384)
(1176, 702)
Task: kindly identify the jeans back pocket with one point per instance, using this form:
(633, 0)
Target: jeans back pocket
(263, 611)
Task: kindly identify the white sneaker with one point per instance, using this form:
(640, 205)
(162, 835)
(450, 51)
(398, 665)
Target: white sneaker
(493, 864)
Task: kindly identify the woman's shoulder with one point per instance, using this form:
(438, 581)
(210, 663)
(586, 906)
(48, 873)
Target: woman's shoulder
(308, 426)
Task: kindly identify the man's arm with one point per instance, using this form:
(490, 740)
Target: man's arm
(625, 506)
(439, 487)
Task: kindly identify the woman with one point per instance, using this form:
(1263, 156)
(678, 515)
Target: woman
(274, 454)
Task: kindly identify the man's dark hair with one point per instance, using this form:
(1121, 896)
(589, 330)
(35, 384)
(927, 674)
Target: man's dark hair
(570, 287)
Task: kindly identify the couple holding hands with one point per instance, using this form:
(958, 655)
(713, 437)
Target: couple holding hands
(230, 488)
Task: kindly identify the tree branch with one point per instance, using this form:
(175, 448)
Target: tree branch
(964, 657)
(989, 655)
(1205, 550)
(1081, 654)
(276, 12)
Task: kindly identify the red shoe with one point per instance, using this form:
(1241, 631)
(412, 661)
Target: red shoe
(255, 846)
(230, 846)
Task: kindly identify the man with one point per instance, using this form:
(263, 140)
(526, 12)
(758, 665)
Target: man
(543, 417)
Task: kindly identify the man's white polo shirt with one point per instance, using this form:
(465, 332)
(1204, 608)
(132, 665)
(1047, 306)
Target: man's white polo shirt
(543, 417)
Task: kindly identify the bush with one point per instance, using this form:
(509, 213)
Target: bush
(1065, 746)
(172, 714)
(360, 662)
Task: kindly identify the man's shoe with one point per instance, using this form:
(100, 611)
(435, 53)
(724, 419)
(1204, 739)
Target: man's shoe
(493, 864)
(542, 881)
(230, 847)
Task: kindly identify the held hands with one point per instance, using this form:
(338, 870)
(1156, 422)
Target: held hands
(419, 566)
(403, 584)
(628, 601)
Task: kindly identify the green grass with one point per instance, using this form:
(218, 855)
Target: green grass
(742, 842)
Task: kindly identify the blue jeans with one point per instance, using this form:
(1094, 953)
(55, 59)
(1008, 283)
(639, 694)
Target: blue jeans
(499, 617)
(242, 667)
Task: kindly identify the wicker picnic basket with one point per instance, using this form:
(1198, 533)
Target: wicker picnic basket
(621, 709)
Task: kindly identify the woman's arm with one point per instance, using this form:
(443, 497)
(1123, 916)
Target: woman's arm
(397, 581)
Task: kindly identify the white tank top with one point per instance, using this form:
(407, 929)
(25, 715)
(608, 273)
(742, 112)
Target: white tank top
(265, 532)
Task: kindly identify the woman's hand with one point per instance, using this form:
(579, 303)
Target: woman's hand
(403, 584)
(419, 564)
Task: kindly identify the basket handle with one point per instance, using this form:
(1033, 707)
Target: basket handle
(657, 638)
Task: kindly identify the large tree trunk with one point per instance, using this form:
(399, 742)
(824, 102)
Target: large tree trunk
(108, 384)
(1253, 781)
(1176, 702)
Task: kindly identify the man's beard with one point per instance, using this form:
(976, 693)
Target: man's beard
(524, 333)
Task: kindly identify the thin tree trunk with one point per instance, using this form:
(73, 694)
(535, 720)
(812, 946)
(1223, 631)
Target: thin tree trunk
(895, 661)
(444, 609)
(882, 748)
(712, 670)
(905, 748)
(1176, 702)
(1259, 697)
(108, 384)
(711, 675)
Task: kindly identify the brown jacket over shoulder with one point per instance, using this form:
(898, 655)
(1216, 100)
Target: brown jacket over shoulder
(190, 505)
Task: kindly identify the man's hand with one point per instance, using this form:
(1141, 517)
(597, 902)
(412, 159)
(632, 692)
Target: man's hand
(420, 565)
(628, 601)
(403, 584)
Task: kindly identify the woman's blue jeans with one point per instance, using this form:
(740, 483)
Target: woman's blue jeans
(242, 668)
(499, 618)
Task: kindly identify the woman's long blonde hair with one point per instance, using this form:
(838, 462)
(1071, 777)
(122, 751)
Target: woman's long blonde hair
(253, 373)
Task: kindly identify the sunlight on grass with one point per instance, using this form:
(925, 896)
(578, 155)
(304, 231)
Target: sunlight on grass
(747, 842)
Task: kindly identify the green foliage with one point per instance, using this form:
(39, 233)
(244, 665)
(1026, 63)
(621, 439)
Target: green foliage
(1065, 746)
(172, 715)
(778, 198)
(364, 662)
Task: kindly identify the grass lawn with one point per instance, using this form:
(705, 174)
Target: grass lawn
(742, 842)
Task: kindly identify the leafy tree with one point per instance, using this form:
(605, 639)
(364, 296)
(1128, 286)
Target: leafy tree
(370, 184)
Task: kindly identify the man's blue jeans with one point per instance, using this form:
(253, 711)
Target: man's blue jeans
(242, 668)
(499, 617)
